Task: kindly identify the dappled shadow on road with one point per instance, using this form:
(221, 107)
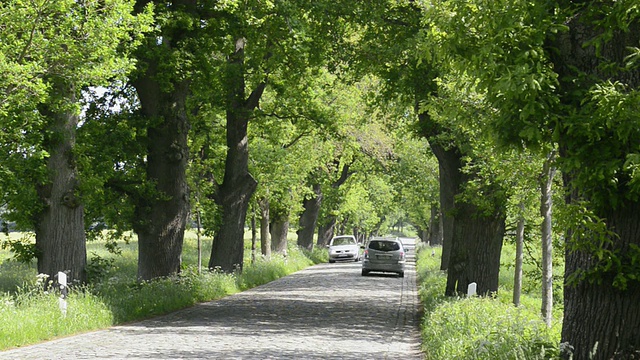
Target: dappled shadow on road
(340, 276)
(219, 353)
(328, 311)
(332, 306)
(328, 296)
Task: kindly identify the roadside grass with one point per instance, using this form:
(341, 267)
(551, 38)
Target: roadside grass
(482, 327)
(31, 315)
(28, 314)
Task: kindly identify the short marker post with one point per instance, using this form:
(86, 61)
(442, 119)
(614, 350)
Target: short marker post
(62, 301)
(471, 289)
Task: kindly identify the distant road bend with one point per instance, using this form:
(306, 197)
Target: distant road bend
(328, 311)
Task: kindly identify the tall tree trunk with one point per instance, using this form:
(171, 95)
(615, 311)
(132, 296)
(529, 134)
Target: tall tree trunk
(279, 234)
(227, 251)
(423, 235)
(599, 317)
(517, 278)
(265, 232)
(448, 155)
(253, 237)
(546, 203)
(450, 177)
(199, 238)
(434, 236)
(60, 237)
(162, 217)
(325, 232)
(309, 218)
(341, 227)
(472, 240)
(475, 250)
(440, 228)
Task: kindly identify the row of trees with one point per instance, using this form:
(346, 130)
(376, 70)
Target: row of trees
(518, 82)
(151, 121)
(500, 92)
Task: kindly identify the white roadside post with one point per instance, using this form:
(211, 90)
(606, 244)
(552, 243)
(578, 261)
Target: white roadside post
(62, 301)
(471, 289)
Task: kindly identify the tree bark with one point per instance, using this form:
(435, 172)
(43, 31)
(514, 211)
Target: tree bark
(60, 237)
(475, 250)
(472, 239)
(440, 228)
(325, 232)
(161, 220)
(434, 236)
(423, 235)
(598, 315)
(279, 233)
(517, 278)
(227, 251)
(265, 232)
(601, 321)
(199, 233)
(162, 217)
(253, 237)
(546, 204)
(450, 177)
(309, 218)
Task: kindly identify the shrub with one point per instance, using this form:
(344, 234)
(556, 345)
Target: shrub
(23, 249)
(99, 268)
(479, 328)
(264, 270)
(483, 328)
(318, 255)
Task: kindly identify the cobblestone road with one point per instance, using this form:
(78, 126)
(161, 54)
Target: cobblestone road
(328, 311)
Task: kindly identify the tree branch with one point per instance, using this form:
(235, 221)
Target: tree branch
(254, 99)
(344, 175)
(296, 139)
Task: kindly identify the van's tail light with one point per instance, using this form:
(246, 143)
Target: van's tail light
(366, 254)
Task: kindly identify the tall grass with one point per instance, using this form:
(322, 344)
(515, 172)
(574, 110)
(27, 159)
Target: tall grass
(480, 328)
(264, 270)
(28, 314)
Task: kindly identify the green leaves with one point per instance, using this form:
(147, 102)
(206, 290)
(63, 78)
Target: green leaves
(603, 137)
(49, 52)
(23, 249)
(501, 44)
(593, 237)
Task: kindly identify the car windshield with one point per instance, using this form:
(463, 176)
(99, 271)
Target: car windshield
(381, 245)
(343, 241)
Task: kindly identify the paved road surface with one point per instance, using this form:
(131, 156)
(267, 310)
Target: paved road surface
(328, 311)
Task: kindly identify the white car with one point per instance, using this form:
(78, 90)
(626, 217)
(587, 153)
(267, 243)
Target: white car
(344, 247)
